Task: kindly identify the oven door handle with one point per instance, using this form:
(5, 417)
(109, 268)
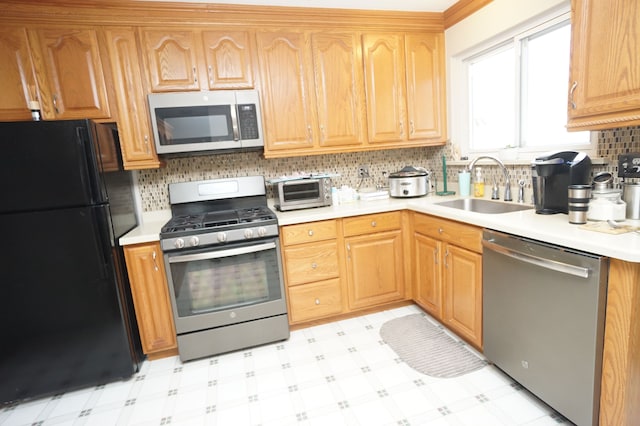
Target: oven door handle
(222, 253)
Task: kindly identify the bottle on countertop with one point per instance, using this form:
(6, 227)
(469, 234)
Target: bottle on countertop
(478, 183)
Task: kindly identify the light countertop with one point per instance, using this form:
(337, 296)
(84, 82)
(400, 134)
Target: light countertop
(554, 229)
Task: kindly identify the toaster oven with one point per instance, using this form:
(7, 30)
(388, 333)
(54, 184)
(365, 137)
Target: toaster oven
(302, 193)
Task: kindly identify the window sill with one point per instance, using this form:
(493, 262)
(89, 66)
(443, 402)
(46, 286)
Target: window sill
(598, 161)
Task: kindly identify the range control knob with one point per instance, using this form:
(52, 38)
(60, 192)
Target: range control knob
(222, 237)
(179, 243)
(262, 231)
(248, 233)
(194, 241)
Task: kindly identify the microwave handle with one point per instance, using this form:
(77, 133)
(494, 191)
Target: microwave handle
(234, 122)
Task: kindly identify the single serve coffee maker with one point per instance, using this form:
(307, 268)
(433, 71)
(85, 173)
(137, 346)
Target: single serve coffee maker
(551, 176)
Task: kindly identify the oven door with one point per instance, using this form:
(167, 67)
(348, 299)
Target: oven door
(213, 287)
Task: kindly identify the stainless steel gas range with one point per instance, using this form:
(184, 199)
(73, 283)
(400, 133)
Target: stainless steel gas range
(224, 267)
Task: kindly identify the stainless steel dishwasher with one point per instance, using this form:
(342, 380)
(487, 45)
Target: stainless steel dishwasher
(543, 322)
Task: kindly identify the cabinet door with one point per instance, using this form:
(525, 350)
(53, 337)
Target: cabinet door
(375, 271)
(171, 59)
(151, 297)
(339, 84)
(427, 274)
(385, 87)
(605, 59)
(17, 76)
(227, 58)
(73, 72)
(288, 104)
(463, 293)
(138, 150)
(426, 86)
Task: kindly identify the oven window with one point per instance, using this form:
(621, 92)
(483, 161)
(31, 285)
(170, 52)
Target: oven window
(302, 191)
(209, 285)
(181, 125)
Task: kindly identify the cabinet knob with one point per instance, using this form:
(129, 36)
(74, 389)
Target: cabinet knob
(373, 223)
(311, 232)
(440, 230)
(314, 265)
(317, 301)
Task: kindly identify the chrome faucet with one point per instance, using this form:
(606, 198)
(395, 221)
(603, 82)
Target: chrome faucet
(507, 181)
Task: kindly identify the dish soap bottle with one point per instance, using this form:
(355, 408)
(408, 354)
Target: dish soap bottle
(478, 184)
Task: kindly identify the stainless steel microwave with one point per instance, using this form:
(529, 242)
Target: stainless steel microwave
(188, 122)
(303, 193)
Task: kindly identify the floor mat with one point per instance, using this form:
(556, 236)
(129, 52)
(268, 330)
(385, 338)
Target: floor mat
(428, 349)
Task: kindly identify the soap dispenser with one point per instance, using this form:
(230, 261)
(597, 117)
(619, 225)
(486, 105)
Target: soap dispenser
(478, 184)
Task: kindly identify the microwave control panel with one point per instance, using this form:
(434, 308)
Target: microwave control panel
(248, 121)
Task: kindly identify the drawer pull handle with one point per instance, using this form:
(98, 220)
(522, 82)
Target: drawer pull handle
(317, 301)
(155, 263)
(311, 232)
(314, 265)
(374, 224)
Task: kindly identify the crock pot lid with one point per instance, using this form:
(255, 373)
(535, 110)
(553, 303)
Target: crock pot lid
(409, 171)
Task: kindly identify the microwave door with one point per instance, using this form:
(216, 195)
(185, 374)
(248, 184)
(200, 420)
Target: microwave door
(196, 128)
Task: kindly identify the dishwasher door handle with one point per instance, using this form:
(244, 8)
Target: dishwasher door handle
(554, 265)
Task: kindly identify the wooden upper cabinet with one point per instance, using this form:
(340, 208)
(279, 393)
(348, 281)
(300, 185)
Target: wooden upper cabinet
(68, 62)
(17, 76)
(289, 114)
(227, 59)
(426, 97)
(339, 85)
(605, 65)
(385, 87)
(171, 59)
(138, 150)
(191, 59)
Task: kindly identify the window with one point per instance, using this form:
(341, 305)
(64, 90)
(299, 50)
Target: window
(513, 100)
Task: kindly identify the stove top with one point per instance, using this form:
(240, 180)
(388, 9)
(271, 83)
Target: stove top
(218, 212)
(216, 220)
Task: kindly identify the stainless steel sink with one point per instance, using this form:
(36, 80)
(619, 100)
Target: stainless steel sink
(479, 205)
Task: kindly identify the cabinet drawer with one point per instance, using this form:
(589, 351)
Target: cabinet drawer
(316, 300)
(308, 263)
(308, 232)
(371, 223)
(460, 234)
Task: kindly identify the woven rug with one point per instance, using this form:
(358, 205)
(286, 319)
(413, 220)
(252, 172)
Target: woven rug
(428, 349)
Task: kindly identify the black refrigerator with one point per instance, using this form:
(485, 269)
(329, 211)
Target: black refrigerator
(66, 311)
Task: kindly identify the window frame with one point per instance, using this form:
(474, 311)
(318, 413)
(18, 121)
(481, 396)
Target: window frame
(460, 92)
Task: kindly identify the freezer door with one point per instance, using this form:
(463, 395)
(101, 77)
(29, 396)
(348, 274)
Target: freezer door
(48, 165)
(61, 319)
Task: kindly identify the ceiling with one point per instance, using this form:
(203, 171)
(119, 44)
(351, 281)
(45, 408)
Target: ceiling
(402, 5)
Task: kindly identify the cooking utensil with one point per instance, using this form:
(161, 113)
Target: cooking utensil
(444, 179)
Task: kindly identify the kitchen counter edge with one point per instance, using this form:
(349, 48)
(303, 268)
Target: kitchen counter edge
(553, 229)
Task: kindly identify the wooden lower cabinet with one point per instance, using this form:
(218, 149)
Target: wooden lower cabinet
(151, 299)
(315, 300)
(462, 293)
(311, 258)
(374, 259)
(447, 274)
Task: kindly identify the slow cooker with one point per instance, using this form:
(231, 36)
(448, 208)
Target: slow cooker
(409, 182)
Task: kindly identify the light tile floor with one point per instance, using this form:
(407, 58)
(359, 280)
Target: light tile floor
(334, 374)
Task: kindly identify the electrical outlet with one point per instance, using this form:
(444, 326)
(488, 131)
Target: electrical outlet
(363, 171)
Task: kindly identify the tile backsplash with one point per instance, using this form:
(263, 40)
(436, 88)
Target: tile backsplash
(153, 184)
